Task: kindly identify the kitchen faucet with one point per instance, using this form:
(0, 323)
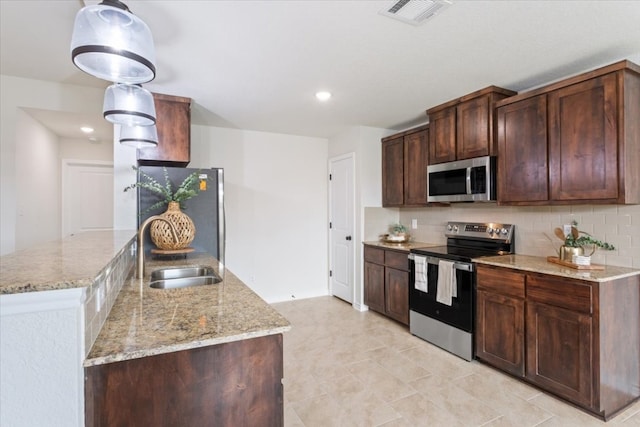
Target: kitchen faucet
(141, 240)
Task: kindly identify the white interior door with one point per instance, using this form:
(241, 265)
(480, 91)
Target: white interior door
(87, 196)
(341, 232)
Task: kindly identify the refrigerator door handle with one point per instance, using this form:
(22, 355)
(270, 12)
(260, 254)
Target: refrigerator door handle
(222, 225)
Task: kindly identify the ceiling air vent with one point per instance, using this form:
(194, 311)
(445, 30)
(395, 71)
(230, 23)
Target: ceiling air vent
(414, 12)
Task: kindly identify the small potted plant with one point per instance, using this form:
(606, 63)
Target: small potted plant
(160, 231)
(398, 233)
(575, 242)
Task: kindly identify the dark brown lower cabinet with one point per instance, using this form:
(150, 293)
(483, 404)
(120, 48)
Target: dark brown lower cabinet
(500, 319)
(582, 339)
(500, 340)
(386, 282)
(565, 364)
(231, 384)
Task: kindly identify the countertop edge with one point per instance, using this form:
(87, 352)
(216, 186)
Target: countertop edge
(511, 261)
(404, 247)
(139, 354)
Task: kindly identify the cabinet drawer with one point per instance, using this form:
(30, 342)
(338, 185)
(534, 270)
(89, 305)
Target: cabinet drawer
(501, 281)
(560, 292)
(397, 260)
(375, 255)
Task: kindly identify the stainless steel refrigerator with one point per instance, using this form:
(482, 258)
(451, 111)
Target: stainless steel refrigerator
(206, 210)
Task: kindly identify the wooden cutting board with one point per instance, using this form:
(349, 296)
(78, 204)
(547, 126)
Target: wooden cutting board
(556, 260)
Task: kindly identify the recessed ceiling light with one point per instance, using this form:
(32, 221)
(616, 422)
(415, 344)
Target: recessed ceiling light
(86, 129)
(323, 95)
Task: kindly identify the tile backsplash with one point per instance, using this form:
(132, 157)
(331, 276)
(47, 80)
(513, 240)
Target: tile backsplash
(102, 294)
(615, 224)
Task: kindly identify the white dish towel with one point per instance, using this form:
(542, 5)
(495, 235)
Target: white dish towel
(420, 282)
(447, 286)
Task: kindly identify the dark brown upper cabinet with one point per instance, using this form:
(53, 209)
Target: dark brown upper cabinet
(173, 121)
(404, 168)
(575, 141)
(463, 128)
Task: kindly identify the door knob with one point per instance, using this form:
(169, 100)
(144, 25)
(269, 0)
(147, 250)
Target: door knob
(348, 238)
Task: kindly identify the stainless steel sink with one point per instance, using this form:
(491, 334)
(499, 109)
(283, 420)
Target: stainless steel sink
(180, 272)
(174, 278)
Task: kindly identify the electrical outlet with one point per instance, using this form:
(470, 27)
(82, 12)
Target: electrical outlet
(414, 223)
(566, 229)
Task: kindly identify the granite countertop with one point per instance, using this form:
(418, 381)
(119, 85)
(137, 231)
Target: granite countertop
(541, 265)
(145, 321)
(400, 246)
(72, 262)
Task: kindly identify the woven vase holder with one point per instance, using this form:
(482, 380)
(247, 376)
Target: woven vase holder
(161, 234)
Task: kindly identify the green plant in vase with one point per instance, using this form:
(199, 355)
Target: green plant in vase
(576, 240)
(161, 233)
(186, 190)
(398, 229)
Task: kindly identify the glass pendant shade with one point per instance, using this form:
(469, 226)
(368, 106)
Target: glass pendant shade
(139, 136)
(129, 105)
(111, 43)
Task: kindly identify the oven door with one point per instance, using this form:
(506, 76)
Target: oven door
(460, 313)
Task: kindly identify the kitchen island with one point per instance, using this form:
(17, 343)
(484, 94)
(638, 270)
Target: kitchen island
(71, 305)
(201, 355)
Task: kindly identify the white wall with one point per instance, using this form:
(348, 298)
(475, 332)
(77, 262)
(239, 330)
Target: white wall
(41, 353)
(19, 93)
(124, 204)
(37, 183)
(276, 208)
(81, 148)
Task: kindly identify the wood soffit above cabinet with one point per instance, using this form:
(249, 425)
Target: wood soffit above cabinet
(405, 132)
(620, 65)
(488, 90)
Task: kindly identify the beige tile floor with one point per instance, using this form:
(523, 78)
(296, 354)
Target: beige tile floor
(347, 368)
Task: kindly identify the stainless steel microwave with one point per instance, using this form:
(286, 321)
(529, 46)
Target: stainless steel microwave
(470, 180)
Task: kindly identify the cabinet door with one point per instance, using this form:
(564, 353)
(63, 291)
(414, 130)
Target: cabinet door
(559, 351)
(393, 172)
(374, 286)
(522, 148)
(397, 294)
(500, 331)
(583, 140)
(415, 168)
(442, 136)
(173, 121)
(473, 129)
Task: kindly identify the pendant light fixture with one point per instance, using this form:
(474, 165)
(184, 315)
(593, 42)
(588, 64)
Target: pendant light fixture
(111, 43)
(129, 105)
(139, 136)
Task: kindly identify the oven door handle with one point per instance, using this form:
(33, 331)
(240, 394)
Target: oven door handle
(464, 266)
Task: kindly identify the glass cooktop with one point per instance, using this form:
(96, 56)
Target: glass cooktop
(455, 253)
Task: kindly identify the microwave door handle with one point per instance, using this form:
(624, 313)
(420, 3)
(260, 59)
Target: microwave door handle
(469, 180)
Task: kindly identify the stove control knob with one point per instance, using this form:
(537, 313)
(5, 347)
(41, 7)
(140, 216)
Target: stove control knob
(455, 228)
(490, 231)
(504, 231)
(449, 227)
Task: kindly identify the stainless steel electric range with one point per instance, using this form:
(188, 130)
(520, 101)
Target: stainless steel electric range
(443, 283)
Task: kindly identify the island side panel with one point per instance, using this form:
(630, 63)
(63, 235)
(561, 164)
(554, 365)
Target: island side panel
(236, 383)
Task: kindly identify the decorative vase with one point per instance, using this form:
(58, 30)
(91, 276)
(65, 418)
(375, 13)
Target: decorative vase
(567, 252)
(162, 235)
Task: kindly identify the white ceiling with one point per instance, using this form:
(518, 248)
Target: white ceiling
(257, 64)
